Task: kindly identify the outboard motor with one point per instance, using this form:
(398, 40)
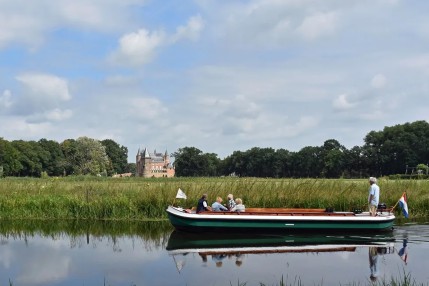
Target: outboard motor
(381, 207)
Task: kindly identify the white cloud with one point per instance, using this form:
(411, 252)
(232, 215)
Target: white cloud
(341, 103)
(146, 108)
(318, 25)
(5, 99)
(18, 127)
(138, 48)
(30, 25)
(58, 114)
(47, 269)
(378, 81)
(417, 62)
(45, 86)
(191, 31)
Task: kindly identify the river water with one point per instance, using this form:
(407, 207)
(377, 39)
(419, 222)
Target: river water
(48, 253)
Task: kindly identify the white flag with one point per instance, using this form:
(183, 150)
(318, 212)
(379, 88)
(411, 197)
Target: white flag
(180, 194)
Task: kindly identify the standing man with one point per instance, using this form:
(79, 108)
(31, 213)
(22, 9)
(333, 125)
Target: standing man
(373, 196)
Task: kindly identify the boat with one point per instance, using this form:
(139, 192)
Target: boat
(279, 220)
(182, 243)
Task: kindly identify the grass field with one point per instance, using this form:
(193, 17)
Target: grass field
(138, 198)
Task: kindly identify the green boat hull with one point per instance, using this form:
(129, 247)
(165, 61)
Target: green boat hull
(238, 223)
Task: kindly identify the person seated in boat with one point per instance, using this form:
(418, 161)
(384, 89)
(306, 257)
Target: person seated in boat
(202, 204)
(217, 205)
(231, 203)
(239, 207)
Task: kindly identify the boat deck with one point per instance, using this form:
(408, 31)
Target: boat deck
(281, 212)
(290, 212)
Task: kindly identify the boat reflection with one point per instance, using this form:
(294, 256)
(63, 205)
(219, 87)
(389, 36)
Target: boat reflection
(219, 246)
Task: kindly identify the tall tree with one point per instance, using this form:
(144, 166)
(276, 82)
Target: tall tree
(332, 157)
(85, 156)
(91, 157)
(9, 159)
(118, 156)
(54, 165)
(32, 157)
(70, 149)
(192, 162)
(307, 162)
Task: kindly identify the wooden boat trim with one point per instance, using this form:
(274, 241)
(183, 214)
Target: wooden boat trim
(285, 213)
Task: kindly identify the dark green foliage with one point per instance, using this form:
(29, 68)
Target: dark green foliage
(394, 150)
(117, 156)
(192, 162)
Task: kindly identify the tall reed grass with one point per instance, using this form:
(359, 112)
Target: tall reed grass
(140, 199)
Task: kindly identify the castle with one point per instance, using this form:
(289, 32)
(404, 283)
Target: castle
(153, 165)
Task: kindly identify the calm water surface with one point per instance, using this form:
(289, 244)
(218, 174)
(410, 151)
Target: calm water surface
(157, 256)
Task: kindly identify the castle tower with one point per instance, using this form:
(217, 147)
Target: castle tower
(147, 164)
(138, 163)
(166, 158)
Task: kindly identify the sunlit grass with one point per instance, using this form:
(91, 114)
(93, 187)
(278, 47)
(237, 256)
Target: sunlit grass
(138, 198)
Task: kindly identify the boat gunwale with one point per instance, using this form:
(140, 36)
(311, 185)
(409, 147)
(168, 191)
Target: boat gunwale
(287, 217)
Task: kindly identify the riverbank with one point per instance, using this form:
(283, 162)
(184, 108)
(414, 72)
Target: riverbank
(143, 199)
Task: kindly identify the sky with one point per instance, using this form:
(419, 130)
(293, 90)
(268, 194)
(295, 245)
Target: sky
(220, 76)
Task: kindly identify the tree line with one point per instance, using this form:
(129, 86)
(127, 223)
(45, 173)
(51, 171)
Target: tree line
(82, 156)
(397, 149)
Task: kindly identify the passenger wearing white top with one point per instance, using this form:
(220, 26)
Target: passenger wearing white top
(239, 207)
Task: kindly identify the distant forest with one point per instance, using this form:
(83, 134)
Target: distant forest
(401, 150)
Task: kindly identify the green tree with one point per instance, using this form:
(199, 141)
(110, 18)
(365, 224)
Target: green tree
(307, 162)
(355, 165)
(70, 149)
(332, 156)
(422, 168)
(192, 162)
(285, 163)
(54, 165)
(118, 156)
(85, 156)
(212, 164)
(91, 157)
(9, 159)
(235, 164)
(391, 150)
(32, 157)
(130, 168)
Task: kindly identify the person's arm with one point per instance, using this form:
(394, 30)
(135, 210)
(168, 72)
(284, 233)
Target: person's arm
(371, 195)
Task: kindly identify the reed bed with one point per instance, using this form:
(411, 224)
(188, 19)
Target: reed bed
(142, 199)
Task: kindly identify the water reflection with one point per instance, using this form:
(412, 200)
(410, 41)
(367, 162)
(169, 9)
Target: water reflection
(227, 246)
(150, 253)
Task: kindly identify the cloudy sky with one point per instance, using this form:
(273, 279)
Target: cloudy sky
(220, 76)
